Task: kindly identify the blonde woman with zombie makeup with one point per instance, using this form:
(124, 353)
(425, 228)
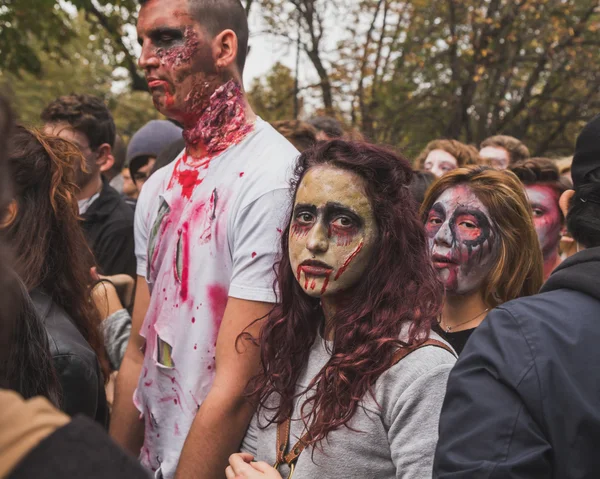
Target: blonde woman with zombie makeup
(483, 244)
(336, 397)
(441, 156)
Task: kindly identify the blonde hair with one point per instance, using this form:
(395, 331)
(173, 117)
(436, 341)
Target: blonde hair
(519, 268)
(464, 154)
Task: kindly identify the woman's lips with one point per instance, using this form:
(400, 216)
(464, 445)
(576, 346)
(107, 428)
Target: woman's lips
(315, 268)
(441, 262)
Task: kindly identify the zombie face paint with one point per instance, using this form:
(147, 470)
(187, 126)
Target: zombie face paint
(546, 217)
(462, 240)
(440, 162)
(184, 80)
(498, 157)
(333, 231)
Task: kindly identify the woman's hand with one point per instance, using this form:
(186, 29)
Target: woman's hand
(242, 467)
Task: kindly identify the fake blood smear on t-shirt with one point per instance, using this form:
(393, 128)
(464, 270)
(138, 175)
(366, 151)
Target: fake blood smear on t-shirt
(217, 297)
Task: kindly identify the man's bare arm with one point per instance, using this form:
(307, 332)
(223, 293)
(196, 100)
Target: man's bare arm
(125, 427)
(219, 426)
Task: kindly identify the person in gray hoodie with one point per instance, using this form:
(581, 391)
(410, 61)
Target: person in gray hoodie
(353, 377)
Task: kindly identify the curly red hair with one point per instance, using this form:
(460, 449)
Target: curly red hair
(400, 289)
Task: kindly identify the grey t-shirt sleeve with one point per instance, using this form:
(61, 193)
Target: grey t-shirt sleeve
(116, 330)
(250, 442)
(413, 418)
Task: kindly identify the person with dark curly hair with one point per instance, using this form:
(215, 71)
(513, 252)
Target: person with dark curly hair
(357, 293)
(106, 219)
(544, 187)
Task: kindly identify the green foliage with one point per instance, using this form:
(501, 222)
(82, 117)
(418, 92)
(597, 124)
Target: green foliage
(81, 67)
(272, 97)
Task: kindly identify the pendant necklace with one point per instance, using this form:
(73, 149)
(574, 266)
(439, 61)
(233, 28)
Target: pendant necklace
(448, 329)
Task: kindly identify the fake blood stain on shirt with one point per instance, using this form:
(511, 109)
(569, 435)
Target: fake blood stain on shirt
(217, 297)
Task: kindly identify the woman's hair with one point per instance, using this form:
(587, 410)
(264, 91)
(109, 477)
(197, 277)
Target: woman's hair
(583, 218)
(25, 361)
(45, 235)
(518, 270)
(464, 154)
(399, 292)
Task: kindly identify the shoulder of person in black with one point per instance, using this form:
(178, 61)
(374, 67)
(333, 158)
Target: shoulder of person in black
(75, 362)
(457, 339)
(108, 227)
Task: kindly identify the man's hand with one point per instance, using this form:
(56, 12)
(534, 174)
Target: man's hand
(125, 427)
(241, 466)
(209, 444)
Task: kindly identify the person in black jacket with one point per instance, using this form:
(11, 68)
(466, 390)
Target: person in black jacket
(107, 220)
(52, 259)
(523, 401)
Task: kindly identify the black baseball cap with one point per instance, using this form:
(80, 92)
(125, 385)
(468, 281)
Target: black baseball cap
(587, 153)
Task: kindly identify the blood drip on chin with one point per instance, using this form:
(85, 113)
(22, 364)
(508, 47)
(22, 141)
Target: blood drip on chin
(325, 284)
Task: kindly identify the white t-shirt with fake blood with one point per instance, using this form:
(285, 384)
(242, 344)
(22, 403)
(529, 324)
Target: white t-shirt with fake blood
(203, 232)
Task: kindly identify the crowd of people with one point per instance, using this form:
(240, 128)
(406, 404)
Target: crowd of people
(224, 297)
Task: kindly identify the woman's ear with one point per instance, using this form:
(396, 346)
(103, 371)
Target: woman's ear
(10, 213)
(565, 201)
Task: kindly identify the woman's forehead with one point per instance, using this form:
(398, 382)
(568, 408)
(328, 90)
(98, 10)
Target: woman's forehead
(327, 184)
(461, 196)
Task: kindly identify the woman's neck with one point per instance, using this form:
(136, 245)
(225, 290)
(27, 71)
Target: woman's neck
(550, 264)
(463, 312)
(329, 307)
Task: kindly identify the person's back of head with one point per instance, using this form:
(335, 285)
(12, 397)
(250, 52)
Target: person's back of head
(43, 228)
(300, 134)
(419, 185)
(503, 150)
(583, 217)
(328, 128)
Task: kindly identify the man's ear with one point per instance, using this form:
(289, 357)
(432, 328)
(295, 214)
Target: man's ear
(105, 160)
(565, 201)
(225, 48)
(10, 213)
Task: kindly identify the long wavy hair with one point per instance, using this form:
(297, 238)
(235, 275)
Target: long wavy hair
(25, 361)
(400, 293)
(46, 237)
(519, 269)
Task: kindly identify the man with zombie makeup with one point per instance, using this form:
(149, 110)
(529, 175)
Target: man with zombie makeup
(207, 228)
(483, 246)
(524, 397)
(107, 220)
(544, 187)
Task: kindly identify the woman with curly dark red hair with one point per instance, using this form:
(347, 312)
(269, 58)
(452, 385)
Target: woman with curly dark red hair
(357, 294)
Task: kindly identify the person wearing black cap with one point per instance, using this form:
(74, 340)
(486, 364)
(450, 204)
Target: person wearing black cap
(524, 398)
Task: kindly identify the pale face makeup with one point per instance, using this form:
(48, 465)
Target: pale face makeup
(332, 233)
(547, 217)
(462, 240)
(497, 156)
(440, 162)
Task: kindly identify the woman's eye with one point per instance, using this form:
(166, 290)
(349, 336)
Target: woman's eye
(304, 218)
(537, 212)
(435, 221)
(343, 222)
(468, 224)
